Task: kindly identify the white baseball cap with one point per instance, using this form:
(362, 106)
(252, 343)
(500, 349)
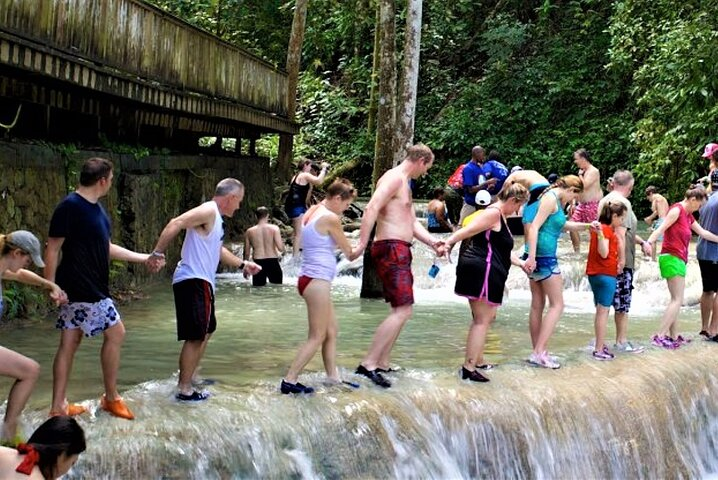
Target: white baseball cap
(483, 197)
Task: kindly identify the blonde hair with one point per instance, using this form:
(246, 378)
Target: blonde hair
(515, 191)
(418, 152)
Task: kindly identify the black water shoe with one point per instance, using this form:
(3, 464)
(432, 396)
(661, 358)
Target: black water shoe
(473, 376)
(374, 376)
(296, 388)
(195, 396)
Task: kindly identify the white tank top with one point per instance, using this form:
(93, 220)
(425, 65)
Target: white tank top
(200, 253)
(318, 260)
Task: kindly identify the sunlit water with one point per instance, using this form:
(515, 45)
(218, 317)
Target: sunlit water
(645, 416)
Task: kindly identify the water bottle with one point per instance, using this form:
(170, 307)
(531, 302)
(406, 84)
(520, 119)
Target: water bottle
(433, 270)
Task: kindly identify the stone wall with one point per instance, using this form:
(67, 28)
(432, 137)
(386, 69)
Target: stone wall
(146, 194)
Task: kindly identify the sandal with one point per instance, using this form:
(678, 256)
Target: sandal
(195, 396)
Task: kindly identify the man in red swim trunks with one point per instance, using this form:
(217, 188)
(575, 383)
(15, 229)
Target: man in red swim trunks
(392, 210)
(587, 209)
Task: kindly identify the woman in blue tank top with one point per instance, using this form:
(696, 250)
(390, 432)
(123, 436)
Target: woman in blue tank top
(543, 229)
(323, 233)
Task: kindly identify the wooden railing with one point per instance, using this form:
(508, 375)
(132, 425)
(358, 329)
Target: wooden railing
(139, 39)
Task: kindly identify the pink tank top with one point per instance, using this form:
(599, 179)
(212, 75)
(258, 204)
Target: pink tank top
(677, 237)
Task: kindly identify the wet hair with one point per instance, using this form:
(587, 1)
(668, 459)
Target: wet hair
(228, 186)
(60, 434)
(515, 191)
(261, 212)
(341, 187)
(697, 192)
(419, 152)
(93, 170)
(609, 209)
(583, 153)
(622, 178)
(650, 190)
(494, 155)
(437, 192)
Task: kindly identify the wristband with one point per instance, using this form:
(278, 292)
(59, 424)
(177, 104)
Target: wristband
(242, 265)
(157, 254)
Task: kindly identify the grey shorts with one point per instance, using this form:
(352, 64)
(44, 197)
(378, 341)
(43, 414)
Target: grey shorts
(91, 318)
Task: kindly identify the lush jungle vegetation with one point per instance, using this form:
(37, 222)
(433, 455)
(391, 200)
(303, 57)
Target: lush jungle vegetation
(633, 81)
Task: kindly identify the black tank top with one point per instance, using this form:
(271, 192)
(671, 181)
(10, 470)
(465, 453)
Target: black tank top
(297, 195)
(494, 245)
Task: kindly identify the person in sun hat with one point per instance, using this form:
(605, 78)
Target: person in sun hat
(78, 254)
(17, 250)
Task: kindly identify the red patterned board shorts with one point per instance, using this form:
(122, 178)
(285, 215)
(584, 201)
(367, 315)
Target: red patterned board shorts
(586, 212)
(392, 259)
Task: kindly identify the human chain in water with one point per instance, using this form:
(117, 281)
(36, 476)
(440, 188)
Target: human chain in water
(484, 260)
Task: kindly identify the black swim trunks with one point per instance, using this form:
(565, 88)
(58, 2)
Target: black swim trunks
(270, 270)
(194, 309)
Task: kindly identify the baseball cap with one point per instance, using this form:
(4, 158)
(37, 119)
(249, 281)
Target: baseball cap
(516, 168)
(483, 197)
(28, 243)
(710, 149)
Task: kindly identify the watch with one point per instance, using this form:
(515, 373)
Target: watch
(242, 265)
(157, 254)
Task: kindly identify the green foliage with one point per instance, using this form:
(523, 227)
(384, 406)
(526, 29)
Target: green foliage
(22, 301)
(633, 81)
(667, 49)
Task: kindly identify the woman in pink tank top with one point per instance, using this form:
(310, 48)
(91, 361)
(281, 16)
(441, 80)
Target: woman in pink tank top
(323, 232)
(676, 230)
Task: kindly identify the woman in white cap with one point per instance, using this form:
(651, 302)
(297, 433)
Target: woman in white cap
(17, 249)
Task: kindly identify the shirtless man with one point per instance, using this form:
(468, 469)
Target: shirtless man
(587, 209)
(659, 209)
(392, 210)
(263, 244)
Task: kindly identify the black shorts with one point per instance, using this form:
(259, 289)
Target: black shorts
(709, 275)
(194, 309)
(270, 270)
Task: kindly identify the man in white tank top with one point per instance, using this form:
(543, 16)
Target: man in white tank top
(193, 280)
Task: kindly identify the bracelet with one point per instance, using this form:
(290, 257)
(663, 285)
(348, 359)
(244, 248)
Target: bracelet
(157, 254)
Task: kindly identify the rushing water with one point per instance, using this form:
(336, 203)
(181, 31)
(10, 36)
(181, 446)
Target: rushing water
(644, 416)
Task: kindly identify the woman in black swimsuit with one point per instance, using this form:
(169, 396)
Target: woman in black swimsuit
(296, 202)
(482, 271)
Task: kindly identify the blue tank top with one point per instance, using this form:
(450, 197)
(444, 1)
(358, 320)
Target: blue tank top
(548, 234)
(318, 260)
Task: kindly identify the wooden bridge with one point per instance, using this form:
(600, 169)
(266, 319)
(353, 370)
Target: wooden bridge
(128, 71)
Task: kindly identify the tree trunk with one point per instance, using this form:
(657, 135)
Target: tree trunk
(386, 121)
(410, 78)
(371, 114)
(294, 58)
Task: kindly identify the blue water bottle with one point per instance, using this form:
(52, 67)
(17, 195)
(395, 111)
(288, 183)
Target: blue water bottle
(433, 270)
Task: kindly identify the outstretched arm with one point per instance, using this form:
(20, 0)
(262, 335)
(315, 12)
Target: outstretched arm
(31, 278)
(703, 233)
(121, 253)
(228, 258)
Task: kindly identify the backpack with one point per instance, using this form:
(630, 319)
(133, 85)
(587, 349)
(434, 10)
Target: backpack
(456, 180)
